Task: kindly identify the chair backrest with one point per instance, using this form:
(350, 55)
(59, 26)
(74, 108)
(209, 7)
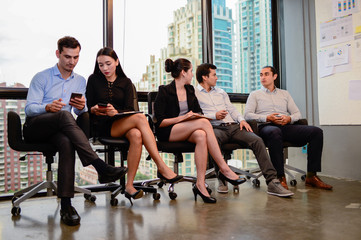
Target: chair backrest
(135, 99)
(17, 142)
(151, 98)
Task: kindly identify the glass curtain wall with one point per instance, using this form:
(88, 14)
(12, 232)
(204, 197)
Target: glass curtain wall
(29, 31)
(242, 45)
(146, 33)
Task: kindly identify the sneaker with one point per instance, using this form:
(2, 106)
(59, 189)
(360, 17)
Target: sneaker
(221, 187)
(275, 188)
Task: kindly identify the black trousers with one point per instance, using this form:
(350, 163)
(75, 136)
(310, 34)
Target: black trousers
(233, 134)
(61, 130)
(274, 135)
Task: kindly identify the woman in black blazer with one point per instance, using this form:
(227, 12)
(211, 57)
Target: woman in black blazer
(176, 110)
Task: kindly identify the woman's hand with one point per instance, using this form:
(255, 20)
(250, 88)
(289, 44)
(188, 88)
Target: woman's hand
(111, 111)
(99, 111)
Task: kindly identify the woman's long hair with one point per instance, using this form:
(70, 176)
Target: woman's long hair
(107, 51)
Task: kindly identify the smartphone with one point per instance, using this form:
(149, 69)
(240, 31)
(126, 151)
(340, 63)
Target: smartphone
(102, 105)
(76, 95)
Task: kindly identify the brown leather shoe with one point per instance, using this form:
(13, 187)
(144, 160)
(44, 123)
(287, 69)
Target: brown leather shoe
(315, 181)
(283, 182)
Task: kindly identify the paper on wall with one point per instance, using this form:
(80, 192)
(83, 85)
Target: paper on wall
(335, 31)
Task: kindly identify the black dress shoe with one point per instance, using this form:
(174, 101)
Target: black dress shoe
(69, 216)
(234, 182)
(112, 174)
(172, 180)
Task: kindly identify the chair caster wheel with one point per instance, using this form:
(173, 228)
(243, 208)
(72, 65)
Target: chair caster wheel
(156, 196)
(235, 188)
(160, 184)
(172, 195)
(256, 183)
(90, 197)
(15, 211)
(303, 177)
(114, 202)
(14, 199)
(293, 182)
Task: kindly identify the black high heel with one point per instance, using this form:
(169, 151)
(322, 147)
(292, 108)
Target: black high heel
(136, 195)
(234, 182)
(172, 180)
(204, 198)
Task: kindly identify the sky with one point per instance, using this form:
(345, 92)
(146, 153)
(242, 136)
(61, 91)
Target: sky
(29, 31)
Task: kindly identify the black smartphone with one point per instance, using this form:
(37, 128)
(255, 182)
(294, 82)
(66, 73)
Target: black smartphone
(102, 105)
(76, 95)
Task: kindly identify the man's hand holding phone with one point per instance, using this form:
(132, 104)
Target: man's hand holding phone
(77, 100)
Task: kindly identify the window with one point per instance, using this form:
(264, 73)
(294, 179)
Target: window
(33, 29)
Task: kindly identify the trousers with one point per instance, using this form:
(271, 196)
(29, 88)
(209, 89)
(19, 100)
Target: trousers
(61, 129)
(233, 134)
(274, 135)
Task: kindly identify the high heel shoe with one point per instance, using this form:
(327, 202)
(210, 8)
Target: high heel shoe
(136, 195)
(204, 198)
(172, 180)
(234, 182)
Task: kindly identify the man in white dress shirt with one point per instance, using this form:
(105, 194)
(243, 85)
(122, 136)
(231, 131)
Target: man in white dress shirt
(230, 126)
(276, 112)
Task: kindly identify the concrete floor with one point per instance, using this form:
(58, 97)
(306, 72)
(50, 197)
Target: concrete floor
(249, 214)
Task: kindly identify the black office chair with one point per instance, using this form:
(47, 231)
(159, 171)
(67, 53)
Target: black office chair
(111, 145)
(175, 148)
(288, 168)
(17, 143)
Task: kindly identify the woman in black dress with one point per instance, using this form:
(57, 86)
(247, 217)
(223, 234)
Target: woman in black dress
(109, 92)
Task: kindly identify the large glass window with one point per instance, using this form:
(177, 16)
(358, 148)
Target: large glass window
(29, 31)
(241, 49)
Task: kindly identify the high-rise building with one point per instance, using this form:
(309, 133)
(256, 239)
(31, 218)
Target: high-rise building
(223, 44)
(254, 42)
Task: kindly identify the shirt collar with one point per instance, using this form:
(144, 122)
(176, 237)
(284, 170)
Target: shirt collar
(201, 89)
(268, 91)
(57, 72)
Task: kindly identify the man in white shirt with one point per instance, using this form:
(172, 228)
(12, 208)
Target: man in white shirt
(276, 112)
(229, 126)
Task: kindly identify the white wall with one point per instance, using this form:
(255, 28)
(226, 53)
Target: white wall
(342, 144)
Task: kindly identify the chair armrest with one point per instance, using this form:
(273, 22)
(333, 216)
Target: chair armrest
(150, 121)
(301, 122)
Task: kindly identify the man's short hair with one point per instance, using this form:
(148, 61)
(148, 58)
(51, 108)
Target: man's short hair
(68, 42)
(203, 70)
(273, 69)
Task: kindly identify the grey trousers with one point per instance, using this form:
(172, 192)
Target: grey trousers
(61, 130)
(233, 134)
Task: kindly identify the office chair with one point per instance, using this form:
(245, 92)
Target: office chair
(288, 168)
(111, 145)
(175, 148)
(17, 143)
